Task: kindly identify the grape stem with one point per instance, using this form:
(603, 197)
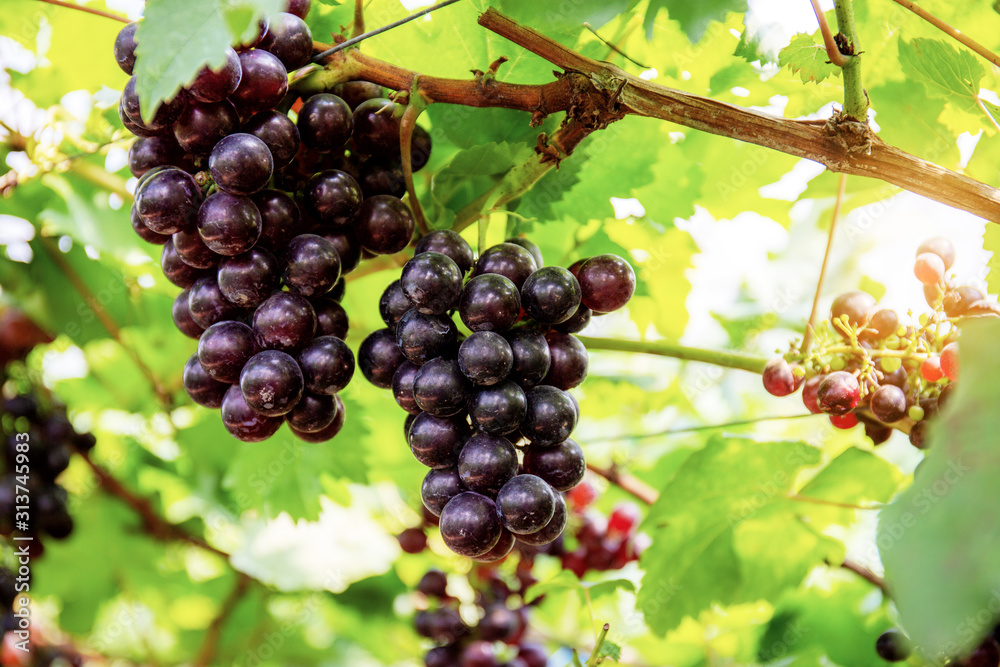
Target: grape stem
(406, 125)
(723, 358)
(152, 522)
(814, 313)
(832, 50)
(855, 97)
(358, 28)
(595, 655)
(955, 34)
(88, 10)
(213, 634)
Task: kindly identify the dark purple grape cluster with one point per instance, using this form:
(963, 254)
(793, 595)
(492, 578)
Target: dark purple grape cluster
(866, 365)
(490, 413)
(261, 213)
(498, 636)
(38, 443)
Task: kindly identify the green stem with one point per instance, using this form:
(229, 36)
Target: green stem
(855, 99)
(595, 656)
(726, 359)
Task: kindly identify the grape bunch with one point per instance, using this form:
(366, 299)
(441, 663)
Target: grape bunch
(866, 365)
(499, 632)
(602, 543)
(894, 646)
(263, 201)
(490, 413)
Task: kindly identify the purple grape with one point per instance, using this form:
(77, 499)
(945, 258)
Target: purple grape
(470, 525)
(228, 224)
(439, 486)
(376, 127)
(243, 422)
(247, 279)
(202, 125)
(201, 387)
(379, 357)
(328, 433)
(424, 337)
(208, 305)
(331, 318)
(356, 92)
(327, 365)
(526, 504)
(311, 265)
(607, 282)
(325, 122)
(298, 7)
(508, 260)
(193, 251)
(569, 360)
(278, 133)
(532, 357)
(490, 303)
(432, 282)
(313, 412)
(263, 84)
(280, 218)
(531, 247)
(550, 295)
(166, 113)
(224, 348)
(552, 530)
(380, 176)
(181, 314)
(402, 387)
(174, 268)
(216, 84)
(144, 232)
(562, 465)
(440, 388)
(450, 243)
(384, 225)
(284, 321)
(125, 48)
(393, 305)
(486, 463)
(271, 383)
(347, 247)
(498, 410)
(148, 152)
(332, 197)
(485, 358)
(168, 201)
(551, 416)
(437, 441)
(288, 37)
(241, 164)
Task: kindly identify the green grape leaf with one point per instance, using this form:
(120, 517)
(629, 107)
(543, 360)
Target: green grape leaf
(611, 650)
(179, 37)
(945, 70)
(803, 56)
(566, 581)
(694, 17)
(856, 476)
(942, 523)
(716, 529)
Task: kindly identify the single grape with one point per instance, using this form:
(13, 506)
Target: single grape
(333, 197)
(809, 391)
(486, 463)
(856, 305)
(569, 361)
(940, 246)
(224, 348)
(325, 122)
(280, 218)
(893, 646)
(331, 318)
(929, 269)
(289, 38)
(437, 441)
(144, 232)
(247, 279)
(168, 201)
(490, 302)
(228, 224)
(931, 370)
(204, 124)
(382, 176)
(562, 465)
(200, 386)
(607, 282)
(241, 164)
(550, 295)
(208, 305)
(957, 301)
(434, 584)
(888, 403)
(440, 388)
(384, 225)
(485, 358)
(778, 378)
(498, 410)
(192, 249)
(531, 247)
(412, 540)
(313, 412)
(526, 504)
(450, 243)
(263, 84)
(133, 127)
(499, 623)
(508, 260)
(552, 530)
(379, 357)
(278, 133)
(551, 416)
(148, 152)
(347, 247)
(432, 282)
(423, 337)
(479, 653)
(883, 324)
(376, 127)
(181, 314)
(216, 84)
(439, 486)
(470, 525)
(327, 365)
(623, 519)
(243, 422)
(328, 433)
(125, 51)
(532, 357)
(838, 393)
(175, 269)
(298, 7)
(272, 383)
(311, 265)
(420, 148)
(284, 321)
(166, 113)
(876, 431)
(949, 361)
(393, 305)
(402, 387)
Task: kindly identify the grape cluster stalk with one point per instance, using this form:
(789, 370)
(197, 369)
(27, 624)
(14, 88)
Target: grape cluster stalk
(490, 412)
(262, 203)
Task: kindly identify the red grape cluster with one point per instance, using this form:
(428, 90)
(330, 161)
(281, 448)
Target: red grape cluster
(867, 366)
(601, 543)
(260, 216)
(499, 632)
(490, 413)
